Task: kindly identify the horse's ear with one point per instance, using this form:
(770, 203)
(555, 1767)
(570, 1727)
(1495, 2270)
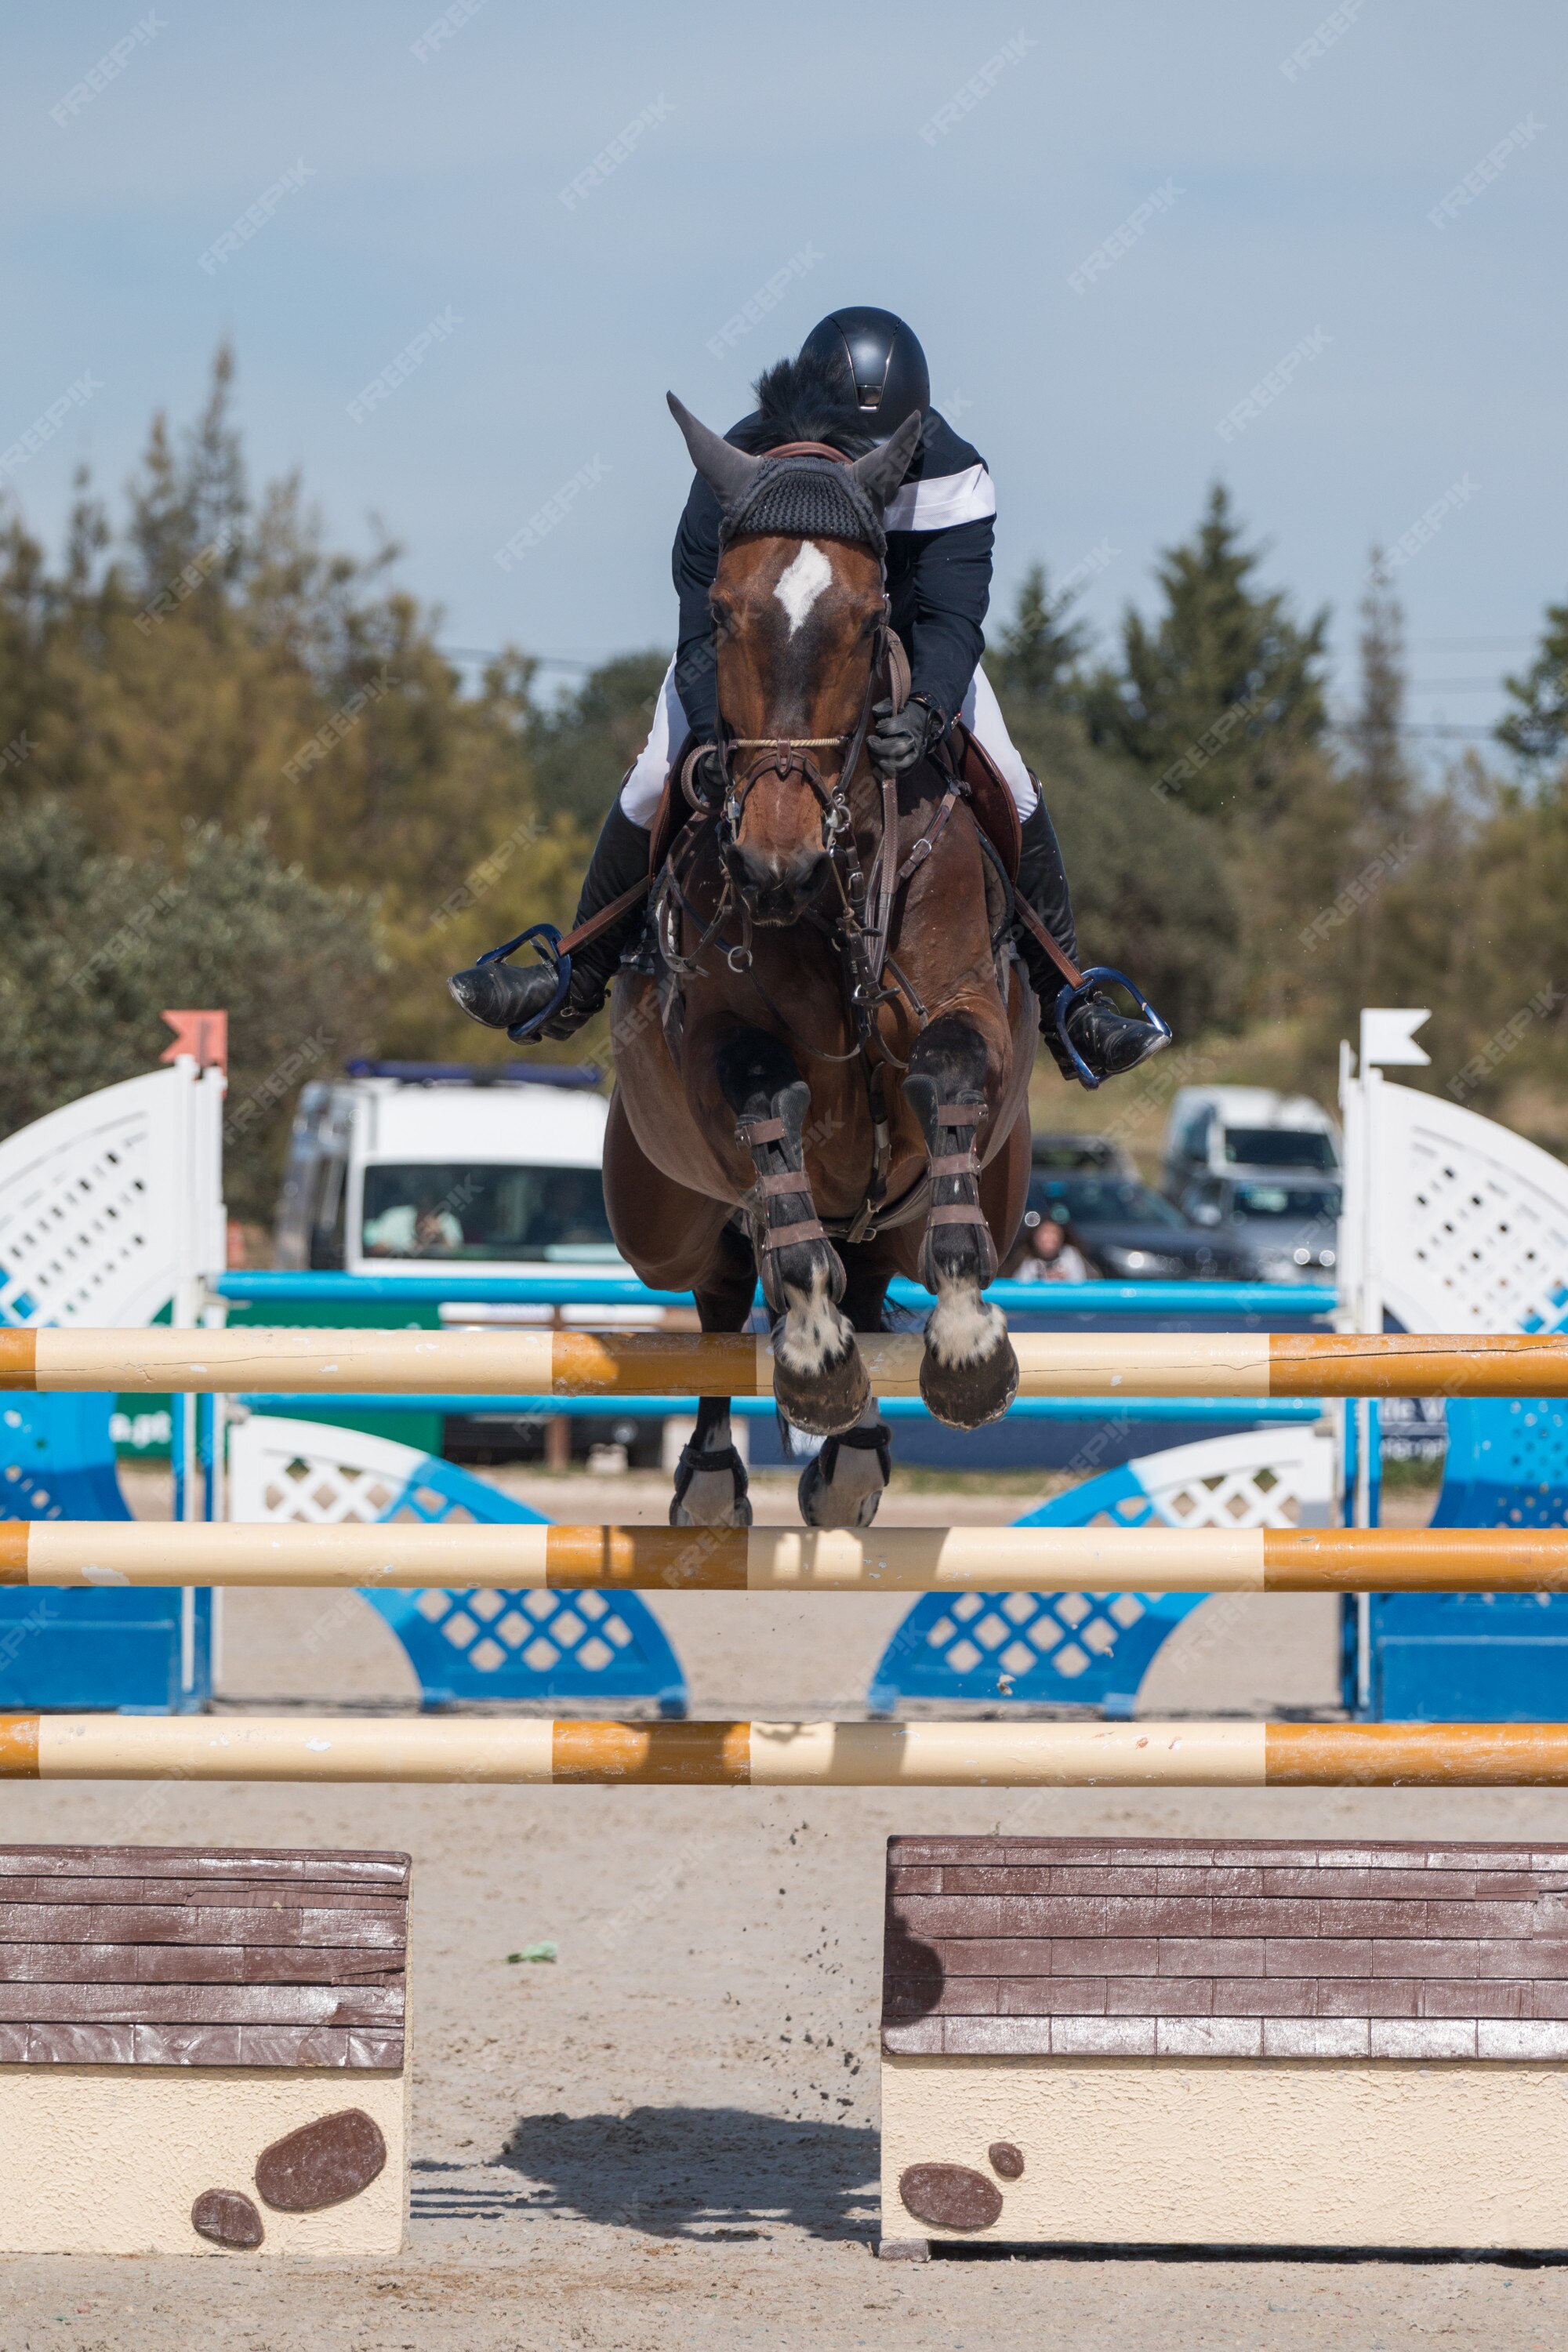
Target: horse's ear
(726, 470)
(880, 471)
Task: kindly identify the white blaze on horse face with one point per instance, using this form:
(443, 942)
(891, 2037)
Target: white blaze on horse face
(804, 583)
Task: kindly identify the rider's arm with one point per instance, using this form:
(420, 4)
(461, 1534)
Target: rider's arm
(951, 582)
(695, 564)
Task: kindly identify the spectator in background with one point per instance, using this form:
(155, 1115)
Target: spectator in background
(1044, 1252)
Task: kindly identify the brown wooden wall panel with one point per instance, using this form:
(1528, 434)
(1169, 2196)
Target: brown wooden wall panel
(182, 1955)
(1069, 1945)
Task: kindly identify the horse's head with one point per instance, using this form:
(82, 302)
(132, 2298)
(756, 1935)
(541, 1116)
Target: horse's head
(799, 610)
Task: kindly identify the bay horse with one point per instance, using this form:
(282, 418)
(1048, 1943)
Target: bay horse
(823, 1050)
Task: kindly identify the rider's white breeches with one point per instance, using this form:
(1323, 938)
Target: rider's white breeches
(981, 714)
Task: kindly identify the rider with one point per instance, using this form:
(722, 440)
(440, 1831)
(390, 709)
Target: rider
(939, 529)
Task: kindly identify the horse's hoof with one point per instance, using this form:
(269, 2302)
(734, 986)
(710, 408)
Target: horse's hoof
(709, 1489)
(820, 1506)
(825, 1402)
(966, 1396)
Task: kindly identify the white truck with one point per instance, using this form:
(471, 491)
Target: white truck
(403, 1166)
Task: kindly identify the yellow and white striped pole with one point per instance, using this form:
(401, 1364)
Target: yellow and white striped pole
(404, 1750)
(656, 1363)
(404, 1555)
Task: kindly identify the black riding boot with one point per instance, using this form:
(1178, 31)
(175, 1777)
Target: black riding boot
(1110, 1042)
(502, 995)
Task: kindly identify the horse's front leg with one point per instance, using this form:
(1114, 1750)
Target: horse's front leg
(710, 1477)
(819, 1380)
(969, 1373)
(842, 1485)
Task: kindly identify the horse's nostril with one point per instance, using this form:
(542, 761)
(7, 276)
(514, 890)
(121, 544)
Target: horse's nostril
(780, 887)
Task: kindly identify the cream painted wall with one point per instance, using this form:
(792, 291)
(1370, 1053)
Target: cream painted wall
(110, 2160)
(1217, 2151)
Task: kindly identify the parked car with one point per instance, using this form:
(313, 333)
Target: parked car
(1284, 1225)
(1214, 1130)
(1068, 1154)
(1126, 1231)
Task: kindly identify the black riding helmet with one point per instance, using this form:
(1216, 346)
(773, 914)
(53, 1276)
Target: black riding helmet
(883, 359)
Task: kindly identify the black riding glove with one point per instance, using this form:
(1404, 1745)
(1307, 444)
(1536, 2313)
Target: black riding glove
(899, 737)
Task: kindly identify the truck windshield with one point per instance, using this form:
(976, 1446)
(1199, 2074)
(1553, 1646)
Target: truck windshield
(1279, 1147)
(430, 1209)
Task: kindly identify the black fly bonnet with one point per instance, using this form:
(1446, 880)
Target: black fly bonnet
(805, 497)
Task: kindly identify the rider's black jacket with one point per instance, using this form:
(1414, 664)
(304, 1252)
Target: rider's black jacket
(939, 530)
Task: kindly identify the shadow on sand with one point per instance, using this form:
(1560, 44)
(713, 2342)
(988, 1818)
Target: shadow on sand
(713, 2173)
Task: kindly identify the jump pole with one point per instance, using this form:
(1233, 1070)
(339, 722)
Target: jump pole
(783, 1754)
(406, 1554)
(643, 1364)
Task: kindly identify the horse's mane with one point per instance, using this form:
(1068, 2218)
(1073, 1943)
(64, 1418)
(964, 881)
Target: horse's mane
(804, 399)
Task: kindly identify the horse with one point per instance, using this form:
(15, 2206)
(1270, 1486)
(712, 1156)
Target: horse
(823, 1046)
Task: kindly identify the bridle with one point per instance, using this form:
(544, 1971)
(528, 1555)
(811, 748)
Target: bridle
(787, 755)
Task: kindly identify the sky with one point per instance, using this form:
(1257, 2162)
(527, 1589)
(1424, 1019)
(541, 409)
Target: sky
(1311, 251)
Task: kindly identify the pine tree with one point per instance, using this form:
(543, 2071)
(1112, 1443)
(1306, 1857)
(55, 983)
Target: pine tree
(1215, 699)
(1538, 729)
(1381, 772)
(1037, 658)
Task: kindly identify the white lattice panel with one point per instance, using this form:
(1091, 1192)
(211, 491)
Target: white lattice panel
(1469, 1227)
(111, 1203)
(311, 1473)
(1266, 1478)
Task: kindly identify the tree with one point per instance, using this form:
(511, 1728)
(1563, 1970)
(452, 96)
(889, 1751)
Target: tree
(1381, 772)
(216, 661)
(1537, 730)
(1036, 660)
(581, 749)
(1149, 887)
(94, 945)
(1216, 697)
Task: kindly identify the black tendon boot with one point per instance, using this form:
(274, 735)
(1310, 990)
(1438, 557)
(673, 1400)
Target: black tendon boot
(1109, 1042)
(502, 995)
